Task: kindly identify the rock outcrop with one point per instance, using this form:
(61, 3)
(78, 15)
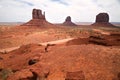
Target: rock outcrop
(38, 19)
(97, 38)
(68, 22)
(68, 19)
(37, 14)
(102, 20)
(102, 17)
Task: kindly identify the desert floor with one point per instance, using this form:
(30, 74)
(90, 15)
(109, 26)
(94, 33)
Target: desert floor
(59, 53)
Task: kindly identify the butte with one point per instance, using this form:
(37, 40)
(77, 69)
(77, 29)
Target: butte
(68, 22)
(38, 19)
(102, 20)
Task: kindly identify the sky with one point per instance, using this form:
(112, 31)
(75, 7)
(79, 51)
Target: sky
(57, 10)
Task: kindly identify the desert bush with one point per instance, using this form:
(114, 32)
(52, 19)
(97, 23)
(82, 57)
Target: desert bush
(5, 73)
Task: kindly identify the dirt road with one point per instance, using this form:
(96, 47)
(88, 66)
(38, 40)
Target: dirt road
(62, 41)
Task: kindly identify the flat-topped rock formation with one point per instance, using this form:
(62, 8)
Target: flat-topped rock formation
(68, 22)
(38, 19)
(102, 19)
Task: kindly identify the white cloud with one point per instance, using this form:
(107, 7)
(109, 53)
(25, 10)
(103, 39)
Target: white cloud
(0, 6)
(57, 10)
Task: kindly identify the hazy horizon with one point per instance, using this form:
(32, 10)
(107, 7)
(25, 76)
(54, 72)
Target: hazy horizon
(58, 10)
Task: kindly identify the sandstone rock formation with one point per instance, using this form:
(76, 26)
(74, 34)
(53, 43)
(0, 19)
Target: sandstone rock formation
(38, 19)
(113, 39)
(102, 19)
(68, 22)
(68, 19)
(37, 14)
(62, 62)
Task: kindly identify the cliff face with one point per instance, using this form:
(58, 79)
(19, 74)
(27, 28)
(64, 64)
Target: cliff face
(102, 17)
(68, 19)
(102, 20)
(37, 14)
(68, 22)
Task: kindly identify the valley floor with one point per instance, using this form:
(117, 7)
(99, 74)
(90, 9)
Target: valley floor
(61, 53)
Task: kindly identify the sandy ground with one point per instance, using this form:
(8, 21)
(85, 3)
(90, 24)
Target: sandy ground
(85, 53)
(44, 44)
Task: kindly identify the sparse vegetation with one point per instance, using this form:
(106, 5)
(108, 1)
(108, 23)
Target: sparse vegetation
(5, 73)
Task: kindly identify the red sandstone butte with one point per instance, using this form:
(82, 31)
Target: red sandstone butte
(68, 22)
(102, 19)
(38, 19)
